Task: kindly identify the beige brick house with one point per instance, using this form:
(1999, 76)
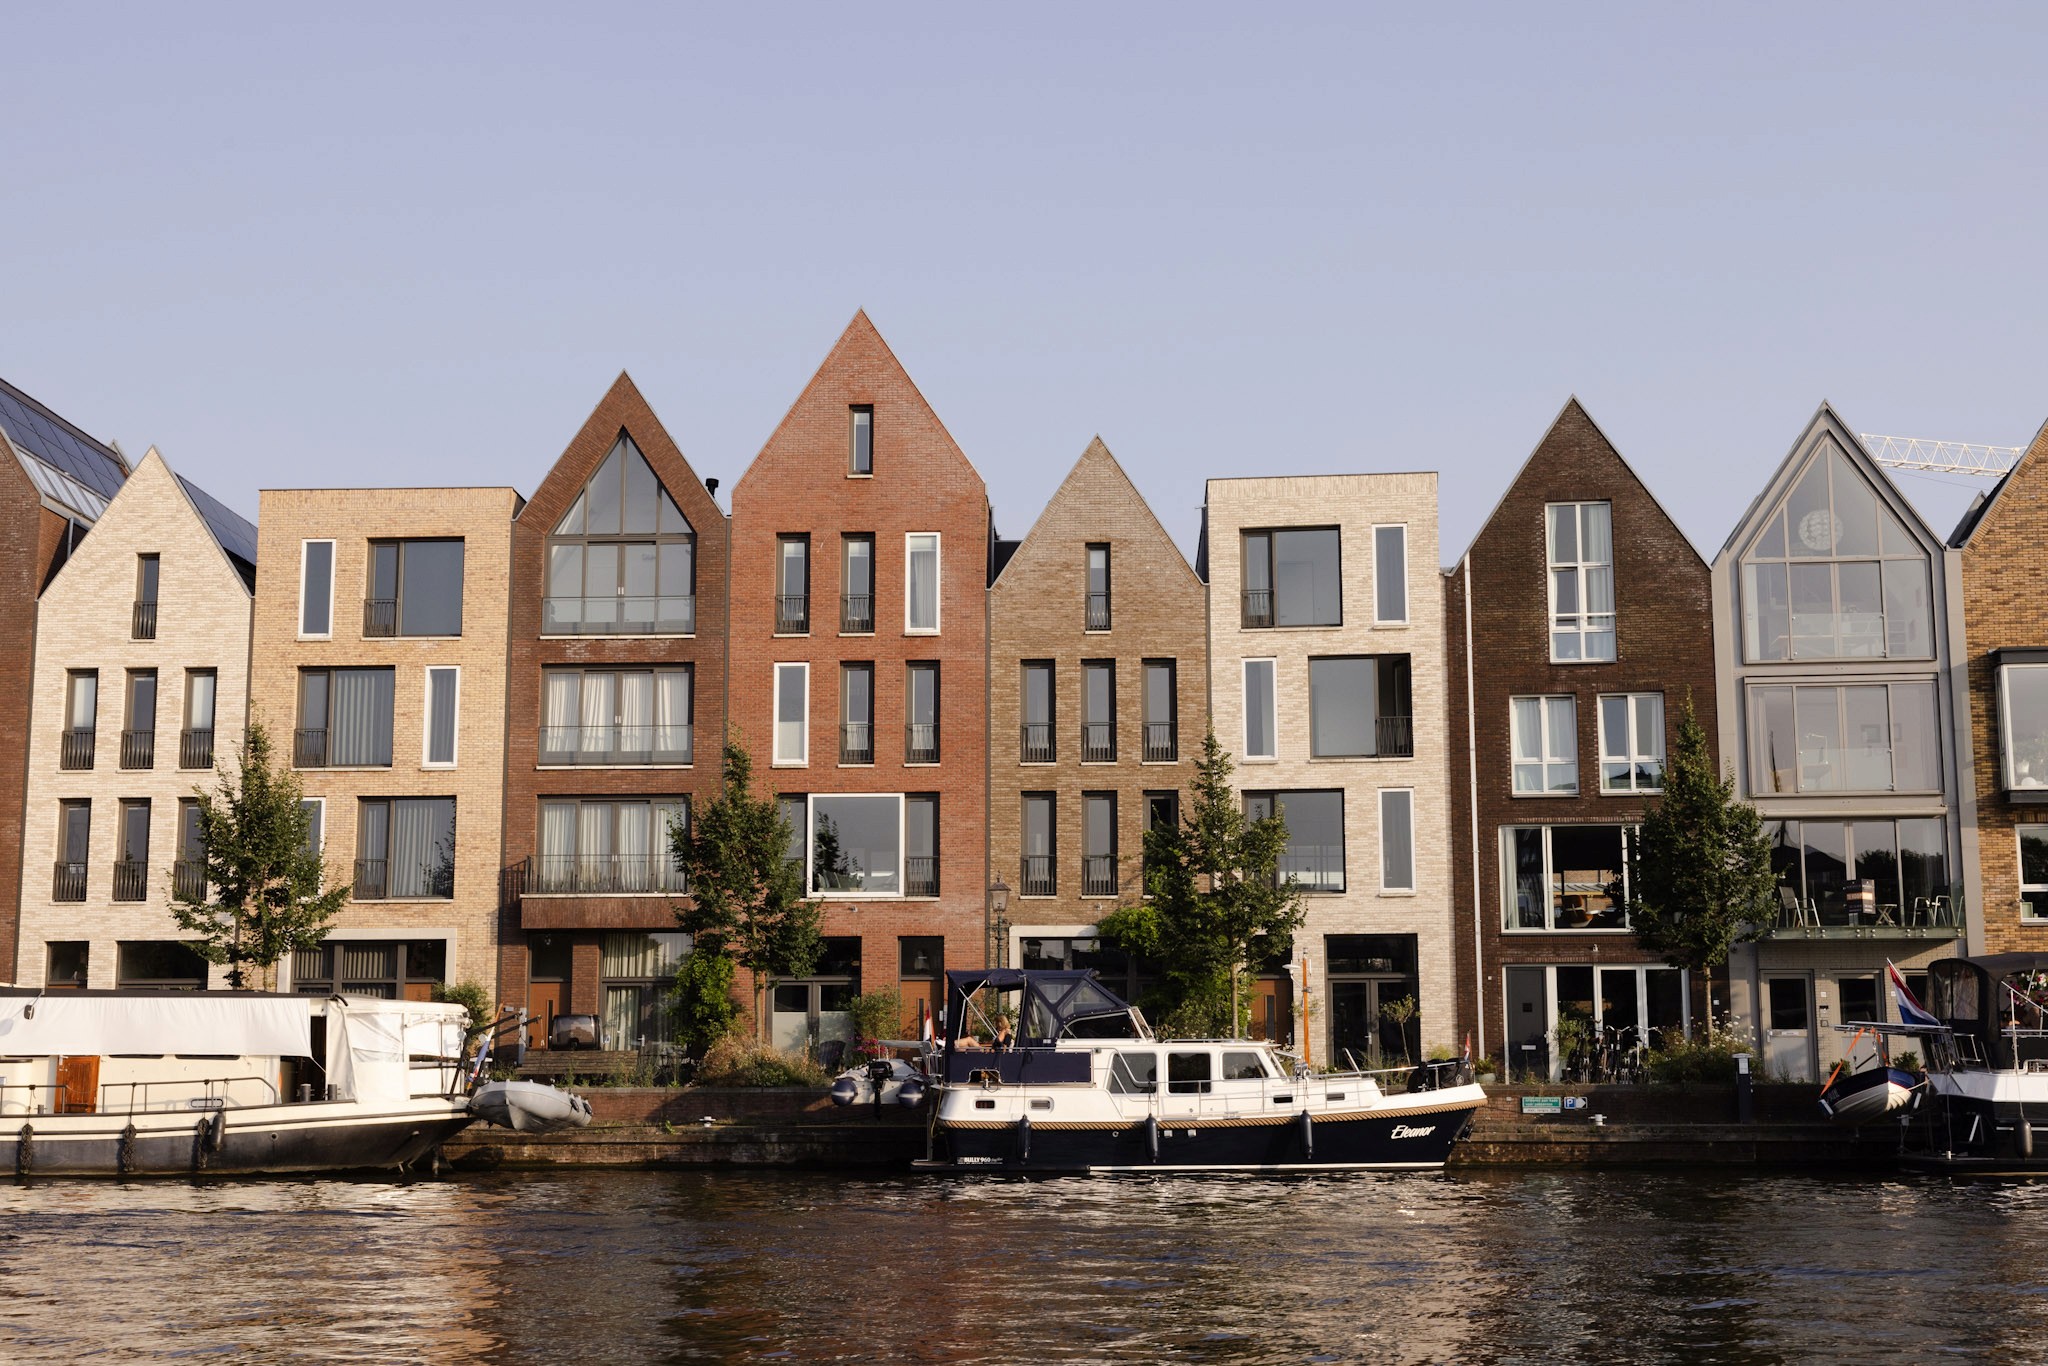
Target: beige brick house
(379, 666)
(141, 676)
(1326, 683)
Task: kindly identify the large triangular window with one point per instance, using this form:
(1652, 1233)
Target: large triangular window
(623, 560)
(1832, 573)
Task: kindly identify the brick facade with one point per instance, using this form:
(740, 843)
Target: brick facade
(30, 536)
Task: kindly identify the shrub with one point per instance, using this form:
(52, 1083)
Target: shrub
(705, 1008)
(735, 1061)
(472, 997)
(876, 1015)
(1708, 1056)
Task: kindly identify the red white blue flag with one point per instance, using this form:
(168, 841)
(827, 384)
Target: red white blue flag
(1910, 1010)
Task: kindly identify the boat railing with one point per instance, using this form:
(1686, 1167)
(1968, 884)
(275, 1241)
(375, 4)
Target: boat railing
(186, 1093)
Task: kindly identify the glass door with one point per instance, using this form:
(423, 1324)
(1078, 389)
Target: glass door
(1788, 1033)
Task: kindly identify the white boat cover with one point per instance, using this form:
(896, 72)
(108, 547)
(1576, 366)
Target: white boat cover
(370, 1044)
(170, 1022)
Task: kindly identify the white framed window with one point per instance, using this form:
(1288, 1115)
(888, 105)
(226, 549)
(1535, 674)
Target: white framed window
(792, 714)
(1544, 732)
(2023, 722)
(1581, 537)
(855, 844)
(1397, 839)
(1632, 742)
(316, 823)
(1261, 721)
(2033, 872)
(316, 590)
(1390, 575)
(444, 687)
(1564, 877)
(921, 583)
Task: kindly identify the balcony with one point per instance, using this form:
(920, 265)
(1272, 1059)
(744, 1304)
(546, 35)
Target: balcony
(70, 883)
(1098, 742)
(1098, 612)
(618, 616)
(616, 746)
(75, 747)
(1162, 742)
(145, 621)
(188, 880)
(1837, 917)
(1258, 608)
(603, 875)
(195, 748)
(131, 880)
(1098, 875)
(370, 881)
(1037, 876)
(856, 743)
(380, 617)
(920, 875)
(1037, 743)
(857, 614)
(309, 748)
(793, 614)
(921, 743)
(1396, 735)
(138, 749)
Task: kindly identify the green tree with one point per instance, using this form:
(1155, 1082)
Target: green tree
(1213, 903)
(747, 894)
(1699, 868)
(705, 1009)
(262, 871)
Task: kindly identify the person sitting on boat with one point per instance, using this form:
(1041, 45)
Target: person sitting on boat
(1003, 1038)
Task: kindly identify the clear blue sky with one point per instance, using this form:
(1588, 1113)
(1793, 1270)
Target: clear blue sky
(413, 246)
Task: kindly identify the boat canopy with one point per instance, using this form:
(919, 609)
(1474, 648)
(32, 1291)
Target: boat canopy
(373, 1043)
(1054, 1000)
(156, 1023)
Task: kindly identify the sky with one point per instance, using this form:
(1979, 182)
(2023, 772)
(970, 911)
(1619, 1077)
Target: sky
(413, 246)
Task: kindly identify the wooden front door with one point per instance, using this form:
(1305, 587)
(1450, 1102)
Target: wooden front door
(543, 1003)
(78, 1085)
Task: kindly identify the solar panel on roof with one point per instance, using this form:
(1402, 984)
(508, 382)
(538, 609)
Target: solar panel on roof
(56, 442)
(235, 533)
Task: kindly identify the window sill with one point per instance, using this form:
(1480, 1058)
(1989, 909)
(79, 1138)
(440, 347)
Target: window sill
(844, 764)
(1159, 763)
(863, 896)
(920, 631)
(854, 474)
(790, 763)
(1098, 763)
(1543, 796)
(1404, 893)
(614, 768)
(856, 635)
(314, 638)
(1258, 759)
(574, 896)
(1388, 625)
(792, 635)
(614, 635)
(1631, 791)
(345, 768)
(1577, 929)
(922, 763)
(401, 900)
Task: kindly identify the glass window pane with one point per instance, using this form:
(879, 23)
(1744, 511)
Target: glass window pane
(1258, 567)
(1773, 741)
(1616, 770)
(640, 573)
(1826, 845)
(430, 590)
(1527, 718)
(1528, 897)
(604, 494)
(643, 491)
(1097, 694)
(793, 577)
(855, 844)
(1923, 860)
(1649, 740)
(1813, 611)
(316, 594)
(1855, 510)
(1877, 863)
(1770, 542)
(1258, 709)
(1908, 618)
(2034, 871)
(1808, 516)
(921, 835)
(441, 716)
(1564, 533)
(1315, 839)
(1562, 766)
(1766, 612)
(1341, 706)
(1867, 747)
(860, 566)
(2023, 725)
(1862, 619)
(678, 569)
(1817, 712)
(1585, 870)
(1390, 573)
(921, 587)
(1397, 840)
(1159, 700)
(791, 683)
(1306, 589)
(1098, 824)
(1038, 694)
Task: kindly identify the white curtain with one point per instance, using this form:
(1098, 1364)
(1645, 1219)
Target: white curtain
(557, 846)
(635, 874)
(558, 711)
(420, 846)
(923, 588)
(672, 713)
(636, 711)
(594, 844)
(597, 714)
(200, 709)
(360, 734)
(670, 819)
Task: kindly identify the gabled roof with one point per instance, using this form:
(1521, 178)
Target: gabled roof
(1981, 506)
(1098, 455)
(231, 534)
(68, 467)
(1827, 421)
(235, 533)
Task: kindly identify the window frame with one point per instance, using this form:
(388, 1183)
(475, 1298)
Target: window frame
(1579, 566)
(1756, 729)
(854, 413)
(849, 669)
(1271, 534)
(1273, 710)
(623, 445)
(1408, 795)
(1505, 872)
(390, 803)
(319, 824)
(1025, 801)
(1088, 593)
(783, 540)
(401, 545)
(938, 584)
(1115, 872)
(2028, 914)
(811, 801)
(847, 541)
(674, 880)
(1406, 614)
(1633, 756)
(2008, 663)
(553, 758)
(305, 563)
(1545, 759)
(911, 669)
(1275, 801)
(777, 759)
(427, 759)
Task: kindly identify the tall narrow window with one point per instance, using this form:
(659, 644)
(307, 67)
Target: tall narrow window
(138, 736)
(857, 585)
(792, 585)
(1098, 844)
(188, 873)
(441, 716)
(74, 847)
(856, 713)
(1261, 725)
(1581, 581)
(1038, 744)
(1162, 812)
(792, 713)
(921, 714)
(1039, 873)
(623, 559)
(862, 456)
(1546, 745)
(81, 719)
(921, 844)
(922, 582)
(1098, 711)
(195, 743)
(1397, 839)
(1162, 728)
(147, 568)
(315, 809)
(1098, 588)
(316, 588)
(405, 849)
(1390, 575)
(795, 809)
(415, 589)
(131, 860)
(1632, 742)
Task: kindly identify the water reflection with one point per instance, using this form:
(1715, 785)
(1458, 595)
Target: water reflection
(1521, 1266)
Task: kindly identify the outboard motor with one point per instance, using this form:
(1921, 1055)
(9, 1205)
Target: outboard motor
(880, 1070)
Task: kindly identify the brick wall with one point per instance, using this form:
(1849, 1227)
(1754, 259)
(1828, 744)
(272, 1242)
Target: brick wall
(29, 538)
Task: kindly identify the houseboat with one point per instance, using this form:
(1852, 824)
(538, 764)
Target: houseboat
(1983, 1106)
(1086, 1087)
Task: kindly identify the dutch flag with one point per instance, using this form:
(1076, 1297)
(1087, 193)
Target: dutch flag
(1910, 1010)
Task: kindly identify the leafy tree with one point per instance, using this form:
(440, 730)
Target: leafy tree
(1699, 869)
(748, 894)
(262, 871)
(1213, 902)
(705, 1009)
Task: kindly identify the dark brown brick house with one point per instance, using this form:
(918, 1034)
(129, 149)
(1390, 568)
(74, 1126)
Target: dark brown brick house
(1577, 624)
(859, 644)
(615, 710)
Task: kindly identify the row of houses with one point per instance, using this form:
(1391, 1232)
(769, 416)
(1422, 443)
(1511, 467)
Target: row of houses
(497, 704)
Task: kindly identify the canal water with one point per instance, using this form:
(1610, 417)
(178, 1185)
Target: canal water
(1522, 1266)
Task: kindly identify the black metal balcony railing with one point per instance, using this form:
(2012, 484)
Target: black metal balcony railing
(612, 615)
(1396, 737)
(380, 617)
(1098, 875)
(195, 748)
(793, 614)
(921, 743)
(1317, 867)
(604, 874)
(371, 882)
(74, 750)
(920, 875)
(1258, 608)
(1162, 742)
(145, 621)
(1098, 612)
(138, 749)
(1098, 742)
(131, 880)
(1037, 742)
(856, 743)
(1037, 875)
(309, 747)
(70, 882)
(857, 613)
(617, 746)
(188, 879)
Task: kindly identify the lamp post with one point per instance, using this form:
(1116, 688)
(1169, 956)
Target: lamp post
(999, 920)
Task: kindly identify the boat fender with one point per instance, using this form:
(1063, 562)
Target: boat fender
(199, 1148)
(124, 1152)
(2026, 1139)
(1308, 1135)
(1023, 1138)
(845, 1091)
(25, 1150)
(216, 1131)
(1152, 1136)
(911, 1094)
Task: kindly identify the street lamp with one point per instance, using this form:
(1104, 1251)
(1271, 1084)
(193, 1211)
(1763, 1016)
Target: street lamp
(999, 920)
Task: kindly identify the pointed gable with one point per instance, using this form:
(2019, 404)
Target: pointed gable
(1095, 502)
(2007, 518)
(153, 510)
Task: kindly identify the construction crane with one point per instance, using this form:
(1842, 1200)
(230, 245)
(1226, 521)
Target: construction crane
(1940, 457)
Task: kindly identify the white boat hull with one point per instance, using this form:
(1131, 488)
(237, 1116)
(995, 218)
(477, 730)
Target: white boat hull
(247, 1140)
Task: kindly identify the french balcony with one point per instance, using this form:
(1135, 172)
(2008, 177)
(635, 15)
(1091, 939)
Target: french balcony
(69, 884)
(1162, 742)
(131, 880)
(380, 617)
(920, 875)
(921, 743)
(1097, 618)
(309, 747)
(195, 748)
(613, 615)
(1857, 916)
(856, 743)
(1037, 876)
(792, 614)
(1396, 736)
(616, 746)
(1098, 742)
(604, 875)
(371, 881)
(1258, 608)
(1098, 875)
(1036, 743)
(1314, 867)
(74, 749)
(857, 614)
(145, 621)
(138, 749)
(188, 879)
